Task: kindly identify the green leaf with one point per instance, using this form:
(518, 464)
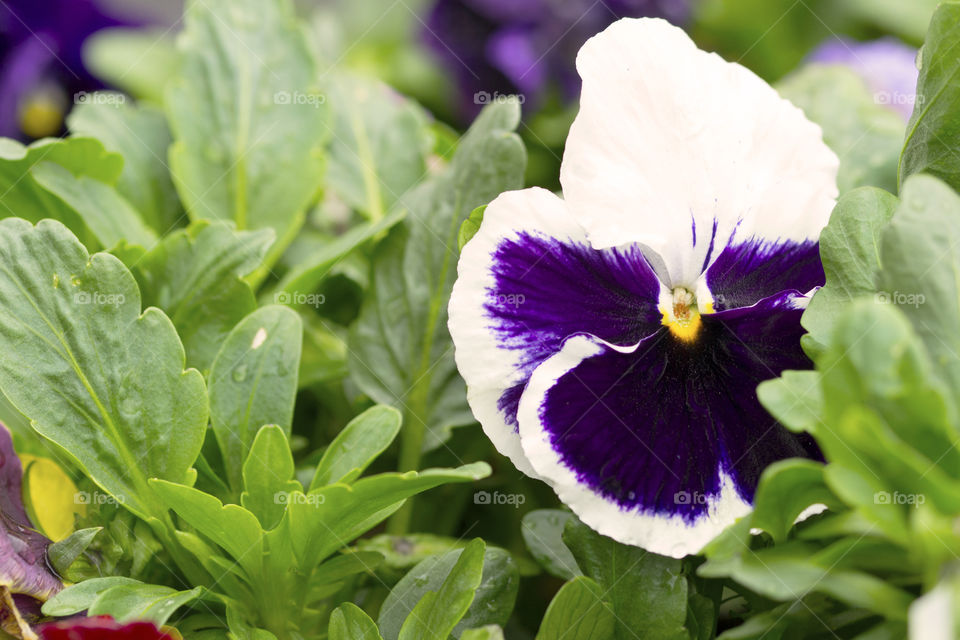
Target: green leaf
(79, 597)
(470, 227)
(378, 145)
(934, 129)
(357, 445)
(794, 399)
(22, 196)
(304, 277)
(866, 135)
(921, 269)
(787, 488)
(267, 476)
(489, 632)
(194, 275)
(62, 554)
(647, 593)
(850, 250)
(94, 375)
(327, 518)
(438, 612)
(400, 349)
(349, 622)
(245, 117)
(542, 530)
(156, 603)
(578, 612)
(140, 134)
(231, 526)
(253, 382)
(492, 603)
(404, 552)
(111, 218)
(139, 61)
(345, 565)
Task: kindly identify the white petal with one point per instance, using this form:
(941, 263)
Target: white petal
(666, 535)
(669, 135)
(488, 368)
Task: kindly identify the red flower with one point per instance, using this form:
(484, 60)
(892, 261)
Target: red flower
(102, 628)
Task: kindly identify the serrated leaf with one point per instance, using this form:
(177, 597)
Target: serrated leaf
(96, 376)
(267, 476)
(253, 382)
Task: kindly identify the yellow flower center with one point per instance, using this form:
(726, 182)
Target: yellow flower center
(682, 317)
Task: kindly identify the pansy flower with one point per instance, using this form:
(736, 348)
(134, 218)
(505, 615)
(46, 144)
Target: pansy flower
(612, 339)
(507, 47)
(103, 628)
(888, 66)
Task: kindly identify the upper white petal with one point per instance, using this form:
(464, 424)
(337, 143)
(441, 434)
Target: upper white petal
(668, 134)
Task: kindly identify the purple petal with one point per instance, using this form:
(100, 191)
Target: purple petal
(750, 271)
(23, 550)
(667, 418)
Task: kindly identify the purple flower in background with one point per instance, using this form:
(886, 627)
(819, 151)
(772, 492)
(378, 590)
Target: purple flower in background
(612, 340)
(41, 69)
(526, 47)
(887, 65)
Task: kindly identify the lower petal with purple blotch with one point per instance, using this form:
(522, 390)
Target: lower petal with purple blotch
(661, 444)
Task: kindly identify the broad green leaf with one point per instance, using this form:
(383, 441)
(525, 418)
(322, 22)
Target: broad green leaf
(361, 441)
(328, 518)
(253, 382)
(489, 632)
(246, 117)
(542, 530)
(787, 488)
(492, 603)
(194, 275)
(934, 130)
(470, 227)
(79, 597)
(920, 254)
(866, 135)
(438, 612)
(304, 277)
(378, 145)
(850, 250)
(794, 399)
(578, 612)
(647, 593)
(21, 195)
(156, 603)
(96, 376)
(349, 622)
(140, 134)
(139, 61)
(62, 554)
(231, 526)
(111, 218)
(267, 476)
(402, 553)
(400, 349)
